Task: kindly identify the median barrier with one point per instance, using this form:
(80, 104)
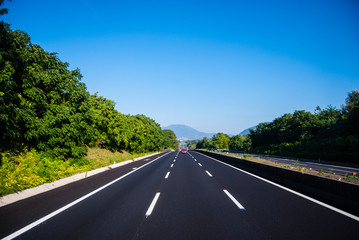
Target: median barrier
(342, 195)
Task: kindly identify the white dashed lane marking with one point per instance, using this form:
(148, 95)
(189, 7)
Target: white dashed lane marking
(153, 203)
(234, 200)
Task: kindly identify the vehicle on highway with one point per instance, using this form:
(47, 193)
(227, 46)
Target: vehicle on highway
(183, 151)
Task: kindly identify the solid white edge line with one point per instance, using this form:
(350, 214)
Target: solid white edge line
(168, 173)
(233, 199)
(209, 174)
(292, 191)
(47, 217)
(152, 206)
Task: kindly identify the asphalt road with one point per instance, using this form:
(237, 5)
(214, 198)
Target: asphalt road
(342, 170)
(176, 196)
(319, 165)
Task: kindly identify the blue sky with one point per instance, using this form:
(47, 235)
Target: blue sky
(217, 66)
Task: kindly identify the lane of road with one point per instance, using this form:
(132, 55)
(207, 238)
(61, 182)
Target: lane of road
(19, 214)
(191, 196)
(319, 166)
(281, 213)
(193, 206)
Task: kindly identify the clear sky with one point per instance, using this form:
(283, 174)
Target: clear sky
(217, 66)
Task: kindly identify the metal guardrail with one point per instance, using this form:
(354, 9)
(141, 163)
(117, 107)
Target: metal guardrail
(331, 167)
(242, 153)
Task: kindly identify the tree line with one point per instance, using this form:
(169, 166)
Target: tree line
(221, 141)
(45, 106)
(330, 134)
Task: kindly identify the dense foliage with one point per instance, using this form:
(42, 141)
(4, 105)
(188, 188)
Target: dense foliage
(330, 134)
(48, 119)
(218, 141)
(44, 106)
(117, 132)
(170, 139)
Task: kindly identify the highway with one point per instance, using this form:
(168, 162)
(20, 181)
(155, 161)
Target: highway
(329, 167)
(175, 196)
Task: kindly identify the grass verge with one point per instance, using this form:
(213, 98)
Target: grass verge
(30, 169)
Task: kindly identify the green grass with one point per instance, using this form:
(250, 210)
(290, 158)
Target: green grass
(30, 169)
(351, 177)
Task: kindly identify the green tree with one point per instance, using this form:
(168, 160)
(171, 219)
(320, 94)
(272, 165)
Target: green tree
(247, 144)
(236, 143)
(104, 113)
(203, 144)
(43, 105)
(299, 126)
(192, 144)
(304, 126)
(330, 121)
(152, 134)
(220, 141)
(351, 113)
(331, 133)
(170, 139)
(118, 132)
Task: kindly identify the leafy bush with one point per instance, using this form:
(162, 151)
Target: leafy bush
(19, 173)
(30, 169)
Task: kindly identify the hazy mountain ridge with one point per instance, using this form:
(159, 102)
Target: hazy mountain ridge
(246, 131)
(184, 132)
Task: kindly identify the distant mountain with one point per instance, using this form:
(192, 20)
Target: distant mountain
(185, 133)
(245, 132)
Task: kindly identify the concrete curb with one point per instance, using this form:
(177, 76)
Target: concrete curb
(14, 197)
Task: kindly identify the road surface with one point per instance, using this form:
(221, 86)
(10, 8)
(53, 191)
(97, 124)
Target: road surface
(319, 165)
(175, 196)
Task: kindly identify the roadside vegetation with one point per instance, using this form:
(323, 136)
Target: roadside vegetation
(329, 134)
(50, 123)
(30, 169)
